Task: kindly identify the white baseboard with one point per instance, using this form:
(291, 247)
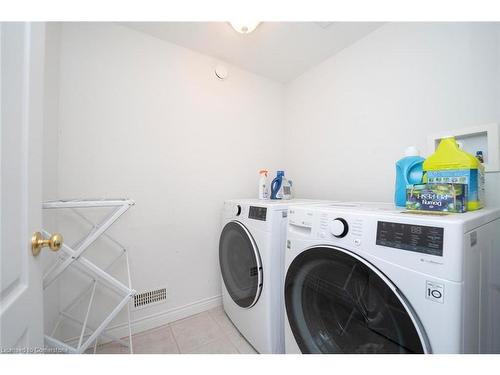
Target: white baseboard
(161, 318)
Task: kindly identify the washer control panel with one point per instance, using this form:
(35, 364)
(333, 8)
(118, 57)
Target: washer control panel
(418, 238)
(345, 228)
(339, 227)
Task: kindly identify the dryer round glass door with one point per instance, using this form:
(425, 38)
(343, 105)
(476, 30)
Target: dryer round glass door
(336, 302)
(240, 264)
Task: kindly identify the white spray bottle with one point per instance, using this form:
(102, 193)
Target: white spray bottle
(263, 192)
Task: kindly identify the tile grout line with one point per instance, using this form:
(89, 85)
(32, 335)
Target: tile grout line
(208, 342)
(173, 337)
(221, 329)
(231, 342)
(225, 333)
(217, 338)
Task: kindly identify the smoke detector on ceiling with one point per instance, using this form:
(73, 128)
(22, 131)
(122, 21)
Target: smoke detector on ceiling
(221, 72)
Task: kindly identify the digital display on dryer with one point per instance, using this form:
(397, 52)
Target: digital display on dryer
(418, 238)
(257, 213)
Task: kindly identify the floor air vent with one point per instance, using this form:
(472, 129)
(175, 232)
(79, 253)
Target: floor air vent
(151, 297)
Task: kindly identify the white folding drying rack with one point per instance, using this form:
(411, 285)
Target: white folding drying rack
(73, 255)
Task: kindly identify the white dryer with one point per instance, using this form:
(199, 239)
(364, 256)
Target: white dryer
(368, 278)
(251, 258)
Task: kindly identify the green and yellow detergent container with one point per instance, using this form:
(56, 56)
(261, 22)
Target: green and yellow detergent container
(450, 164)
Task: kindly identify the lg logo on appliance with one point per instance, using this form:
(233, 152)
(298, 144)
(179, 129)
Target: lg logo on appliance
(434, 291)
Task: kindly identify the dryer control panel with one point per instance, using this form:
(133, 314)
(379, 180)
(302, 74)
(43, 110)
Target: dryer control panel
(257, 213)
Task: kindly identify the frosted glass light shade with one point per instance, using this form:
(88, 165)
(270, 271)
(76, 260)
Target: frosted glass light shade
(244, 27)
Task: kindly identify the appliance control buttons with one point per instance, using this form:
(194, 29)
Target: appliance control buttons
(339, 227)
(237, 210)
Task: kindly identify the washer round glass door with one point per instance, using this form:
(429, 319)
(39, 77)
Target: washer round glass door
(338, 303)
(240, 264)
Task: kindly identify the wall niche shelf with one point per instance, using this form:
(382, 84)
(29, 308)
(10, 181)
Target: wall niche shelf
(483, 138)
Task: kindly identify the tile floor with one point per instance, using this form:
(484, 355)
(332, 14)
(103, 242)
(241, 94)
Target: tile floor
(210, 332)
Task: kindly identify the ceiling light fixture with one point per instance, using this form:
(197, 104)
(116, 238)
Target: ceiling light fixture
(244, 27)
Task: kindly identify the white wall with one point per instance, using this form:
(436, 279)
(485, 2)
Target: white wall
(146, 119)
(350, 118)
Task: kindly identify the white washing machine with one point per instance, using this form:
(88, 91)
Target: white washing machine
(251, 258)
(368, 278)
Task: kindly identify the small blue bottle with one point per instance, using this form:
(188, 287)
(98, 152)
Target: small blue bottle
(276, 185)
(409, 171)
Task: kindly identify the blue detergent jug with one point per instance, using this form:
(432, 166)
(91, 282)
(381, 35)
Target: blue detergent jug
(276, 185)
(408, 172)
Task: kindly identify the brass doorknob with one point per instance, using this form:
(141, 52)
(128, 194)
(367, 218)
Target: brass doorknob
(38, 242)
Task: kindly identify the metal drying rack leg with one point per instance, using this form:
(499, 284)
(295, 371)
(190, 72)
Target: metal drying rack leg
(73, 255)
